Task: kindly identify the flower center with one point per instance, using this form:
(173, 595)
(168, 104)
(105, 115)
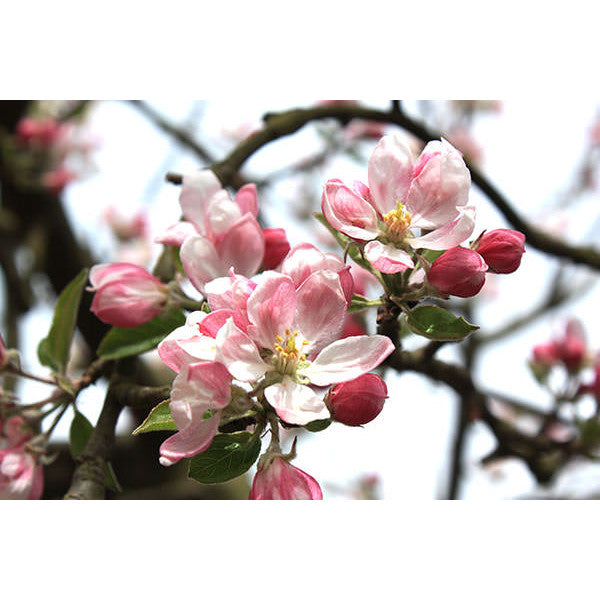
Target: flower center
(397, 222)
(289, 352)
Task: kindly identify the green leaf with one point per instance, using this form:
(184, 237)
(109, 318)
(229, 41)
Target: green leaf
(79, 433)
(229, 455)
(319, 425)
(129, 341)
(439, 324)
(110, 481)
(54, 349)
(159, 419)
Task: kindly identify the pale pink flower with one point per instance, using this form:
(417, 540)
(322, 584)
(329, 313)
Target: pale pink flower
(277, 479)
(126, 228)
(199, 392)
(290, 340)
(126, 295)
(220, 233)
(21, 478)
(430, 195)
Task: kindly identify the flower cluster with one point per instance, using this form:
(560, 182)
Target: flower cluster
(271, 343)
(413, 211)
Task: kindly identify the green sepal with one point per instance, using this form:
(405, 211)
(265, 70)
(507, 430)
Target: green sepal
(159, 419)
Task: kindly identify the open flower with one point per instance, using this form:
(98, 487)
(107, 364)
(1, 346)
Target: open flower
(219, 233)
(290, 341)
(430, 195)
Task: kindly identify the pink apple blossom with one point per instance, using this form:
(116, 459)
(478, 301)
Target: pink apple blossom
(277, 479)
(220, 233)
(199, 392)
(126, 295)
(501, 249)
(290, 341)
(21, 478)
(358, 401)
(458, 272)
(430, 194)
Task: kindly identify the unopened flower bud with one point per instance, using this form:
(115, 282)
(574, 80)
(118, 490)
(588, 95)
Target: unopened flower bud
(458, 272)
(276, 247)
(277, 479)
(502, 249)
(126, 295)
(358, 401)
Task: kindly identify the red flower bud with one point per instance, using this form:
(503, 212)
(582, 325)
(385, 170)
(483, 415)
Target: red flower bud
(502, 249)
(276, 247)
(358, 401)
(458, 272)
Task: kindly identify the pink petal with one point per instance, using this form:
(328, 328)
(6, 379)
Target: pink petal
(196, 190)
(243, 246)
(295, 403)
(390, 173)
(321, 309)
(347, 212)
(246, 199)
(205, 382)
(214, 321)
(440, 188)
(176, 234)
(239, 353)
(201, 262)
(195, 438)
(271, 308)
(348, 358)
(387, 258)
(449, 235)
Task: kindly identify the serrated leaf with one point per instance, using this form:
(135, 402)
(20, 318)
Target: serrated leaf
(230, 455)
(159, 419)
(438, 324)
(79, 433)
(54, 349)
(120, 342)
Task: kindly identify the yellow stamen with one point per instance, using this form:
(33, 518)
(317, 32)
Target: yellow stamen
(398, 221)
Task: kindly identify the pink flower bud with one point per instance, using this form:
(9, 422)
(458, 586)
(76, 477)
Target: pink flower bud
(278, 480)
(502, 249)
(126, 295)
(41, 132)
(546, 354)
(276, 247)
(458, 272)
(358, 401)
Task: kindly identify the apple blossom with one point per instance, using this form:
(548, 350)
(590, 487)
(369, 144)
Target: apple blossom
(290, 341)
(430, 195)
(199, 392)
(277, 479)
(220, 233)
(21, 478)
(358, 401)
(501, 249)
(458, 272)
(126, 295)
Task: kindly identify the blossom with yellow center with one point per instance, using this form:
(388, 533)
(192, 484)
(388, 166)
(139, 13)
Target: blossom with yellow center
(397, 222)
